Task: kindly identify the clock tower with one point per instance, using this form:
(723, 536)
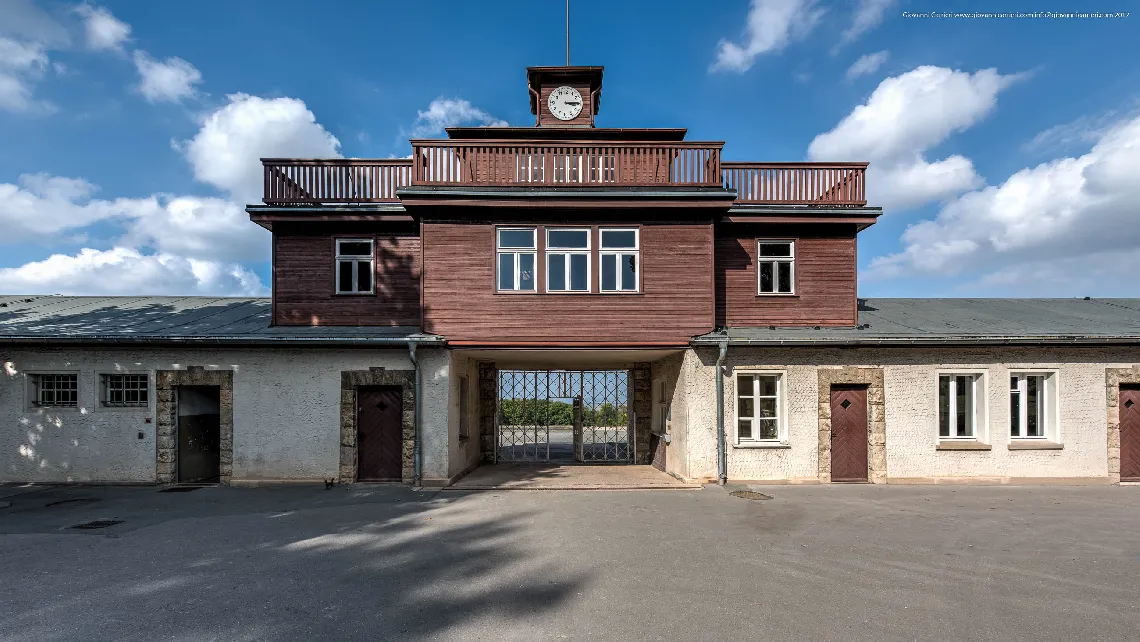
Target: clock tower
(566, 97)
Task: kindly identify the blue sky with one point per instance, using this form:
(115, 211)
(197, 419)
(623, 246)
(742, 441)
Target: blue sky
(1003, 150)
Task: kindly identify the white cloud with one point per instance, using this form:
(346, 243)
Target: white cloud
(451, 112)
(772, 24)
(22, 64)
(26, 21)
(41, 208)
(1063, 227)
(905, 116)
(104, 31)
(201, 228)
(867, 64)
(1081, 132)
(226, 151)
(867, 16)
(170, 80)
(121, 271)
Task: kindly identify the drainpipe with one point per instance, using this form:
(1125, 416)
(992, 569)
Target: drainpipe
(721, 447)
(417, 451)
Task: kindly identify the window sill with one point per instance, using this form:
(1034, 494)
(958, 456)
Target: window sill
(780, 295)
(354, 294)
(775, 445)
(962, 445)
(1034, 444)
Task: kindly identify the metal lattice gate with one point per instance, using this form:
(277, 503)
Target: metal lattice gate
(564, 415)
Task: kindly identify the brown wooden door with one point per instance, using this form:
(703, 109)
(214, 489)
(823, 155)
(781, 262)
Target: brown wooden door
(379, 433)
(848, 434)
(1129, 434)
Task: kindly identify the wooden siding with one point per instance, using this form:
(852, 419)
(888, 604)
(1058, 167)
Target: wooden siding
(825, 277)
(304, 289)
(461, 303)
(584, 117)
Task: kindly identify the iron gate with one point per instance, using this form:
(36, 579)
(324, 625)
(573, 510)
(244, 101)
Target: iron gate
(567, 415)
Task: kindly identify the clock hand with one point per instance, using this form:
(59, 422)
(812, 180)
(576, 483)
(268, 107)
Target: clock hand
(573, 102)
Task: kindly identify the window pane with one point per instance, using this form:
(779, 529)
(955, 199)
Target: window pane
(767, 386)
(767, 279)
(767, 408)
(776, 249)
(746, 407)
(354, 248)
(744, 386)
(785, 270)
(744, 429)
(1014, 412)
(569, 239)
(609, 271)
(629, 271)
(578, 271)
(516, 238)
(506, 271)
(344, 276)
(621, 239)
(944, 406)
(364, 276)
(964, 404)
(768, 429)
(526, 272)
(556, 271)
(1033, 398)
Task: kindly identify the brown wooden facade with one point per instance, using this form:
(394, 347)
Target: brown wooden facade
(433, 220)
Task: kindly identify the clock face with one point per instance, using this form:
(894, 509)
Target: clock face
(565, 103)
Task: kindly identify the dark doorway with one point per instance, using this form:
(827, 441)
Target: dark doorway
(199, 433)
(848, 434)
(379, 433)
(1129, 433)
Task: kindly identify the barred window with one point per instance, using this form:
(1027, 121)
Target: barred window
(56, 390)
(125, 390)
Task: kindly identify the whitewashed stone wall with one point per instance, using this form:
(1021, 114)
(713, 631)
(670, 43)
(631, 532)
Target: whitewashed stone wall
(910, 377)
(285, 407)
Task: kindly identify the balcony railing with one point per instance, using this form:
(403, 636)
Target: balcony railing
(545, 164)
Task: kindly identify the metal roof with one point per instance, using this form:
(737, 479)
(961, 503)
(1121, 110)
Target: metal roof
(961, 321)
(173, 319)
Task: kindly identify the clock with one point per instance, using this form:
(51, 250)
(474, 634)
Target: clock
(565, 103)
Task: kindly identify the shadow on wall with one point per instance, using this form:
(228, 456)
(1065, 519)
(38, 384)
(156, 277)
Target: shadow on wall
(356, 563)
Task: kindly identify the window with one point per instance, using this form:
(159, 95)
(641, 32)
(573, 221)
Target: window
(775, 265)
(1032, 399)
(125, 390)
(516, 253)
(959, 405)
(568, 260)
(758, 402)
(55, 390)
(619, 258)
(354, 266)
(463, 408)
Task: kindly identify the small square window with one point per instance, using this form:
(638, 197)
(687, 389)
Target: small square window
(55, 390)
(125, 390)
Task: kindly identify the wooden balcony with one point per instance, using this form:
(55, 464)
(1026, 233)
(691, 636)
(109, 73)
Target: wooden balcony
(478, 163)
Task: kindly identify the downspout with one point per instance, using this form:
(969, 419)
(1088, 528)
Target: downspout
(721, 447)
(417, 452)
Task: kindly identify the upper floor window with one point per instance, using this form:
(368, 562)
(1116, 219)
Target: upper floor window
(619, 259)
(775, 265)
(567, 260)
(125, 390)
(55, 390)
(517, 247)
(354, 269)
(1031, 404)
(959, 407)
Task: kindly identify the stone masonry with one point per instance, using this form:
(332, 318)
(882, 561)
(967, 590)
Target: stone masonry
(350, 380)
(488, 403)
(167, 418)
(642, 411)
(876, 419)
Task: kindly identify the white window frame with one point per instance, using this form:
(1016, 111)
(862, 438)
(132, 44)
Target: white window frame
(102, 382)
(781, 409)
(34, 387)
(516, 252)
(355, 259)
(979, 411)
(789, 260)
(603, 252)
(1050, 413)
(568, 252)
